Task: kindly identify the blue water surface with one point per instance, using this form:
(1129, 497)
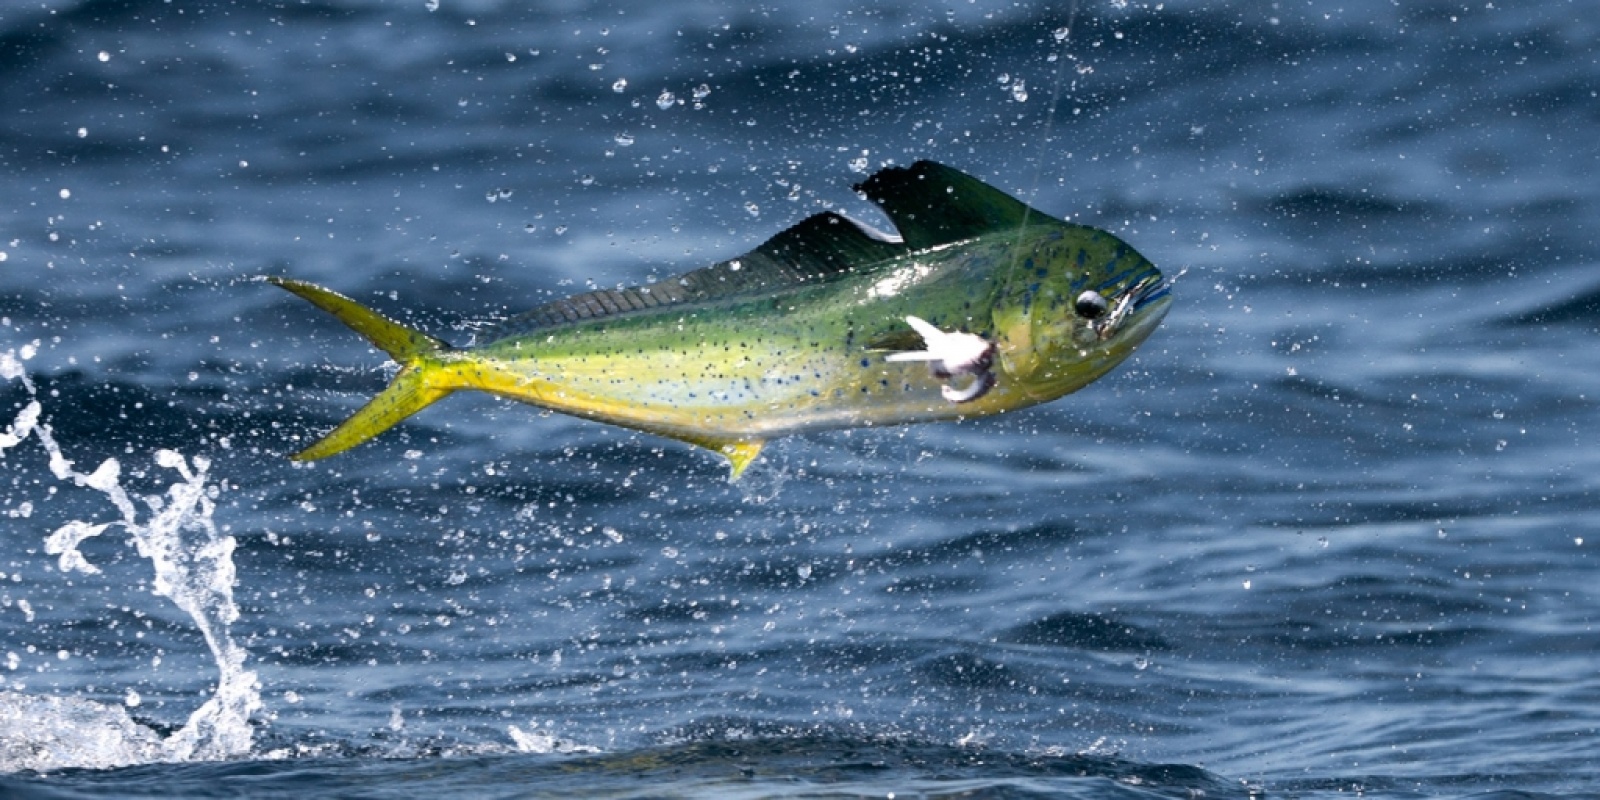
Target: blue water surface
(1328, 532)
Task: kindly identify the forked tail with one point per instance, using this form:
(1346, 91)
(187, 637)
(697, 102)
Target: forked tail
(416, 386)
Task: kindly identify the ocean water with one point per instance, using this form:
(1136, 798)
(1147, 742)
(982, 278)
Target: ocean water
(1328, 533)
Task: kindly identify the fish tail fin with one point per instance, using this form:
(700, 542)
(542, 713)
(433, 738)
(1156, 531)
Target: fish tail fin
(418, 384)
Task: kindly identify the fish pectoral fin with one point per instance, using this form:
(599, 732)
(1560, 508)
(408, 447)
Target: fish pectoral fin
(902, 340)
(739, 452)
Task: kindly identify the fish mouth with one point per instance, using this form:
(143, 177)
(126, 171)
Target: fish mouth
(1150, 290)
(1143, 305)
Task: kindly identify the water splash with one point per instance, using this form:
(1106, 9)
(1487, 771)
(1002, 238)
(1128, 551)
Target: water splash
(535, 740)
(193, 565)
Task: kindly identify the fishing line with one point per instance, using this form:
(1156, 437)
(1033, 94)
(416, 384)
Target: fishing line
(1063, 35)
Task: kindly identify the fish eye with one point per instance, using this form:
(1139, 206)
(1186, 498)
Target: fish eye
(1090, 305)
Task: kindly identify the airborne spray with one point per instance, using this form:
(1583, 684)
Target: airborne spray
(193, 565)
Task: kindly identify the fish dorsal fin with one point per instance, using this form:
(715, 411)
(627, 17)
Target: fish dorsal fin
(931, 204)
(820, 247)
(829, 243)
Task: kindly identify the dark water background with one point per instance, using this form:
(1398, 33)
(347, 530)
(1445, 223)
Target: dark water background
(1329, 532)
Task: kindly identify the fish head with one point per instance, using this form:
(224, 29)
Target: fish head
(1078, 302)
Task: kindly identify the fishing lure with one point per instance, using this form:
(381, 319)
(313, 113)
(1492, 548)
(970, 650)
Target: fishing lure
(980, 305)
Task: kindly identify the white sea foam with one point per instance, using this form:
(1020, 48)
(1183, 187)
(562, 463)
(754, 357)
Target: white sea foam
(50, 733)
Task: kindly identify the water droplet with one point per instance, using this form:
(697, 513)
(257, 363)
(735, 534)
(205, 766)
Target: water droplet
(1141, 663)
(511, 56)
(669, 551)
(665, 100)
(859, 164)
(702, 91)
(805, 571)
(432, 5)
(587, 180)
(624, 139)
(83, 133)
(104, 56)
(755, 210)
(1019, 91)
(65, 193)
(735, 265)
(1005, 78)
(1498, 414)
(620, 86)
(561, 229)
(1061, 34)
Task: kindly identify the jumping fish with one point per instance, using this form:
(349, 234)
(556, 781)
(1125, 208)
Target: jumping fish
(981, 305)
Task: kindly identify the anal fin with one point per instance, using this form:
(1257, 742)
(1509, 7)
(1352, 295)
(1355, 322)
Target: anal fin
(739, 452)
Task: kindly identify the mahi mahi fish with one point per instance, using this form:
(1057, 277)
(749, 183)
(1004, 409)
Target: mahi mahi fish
(980, 305)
